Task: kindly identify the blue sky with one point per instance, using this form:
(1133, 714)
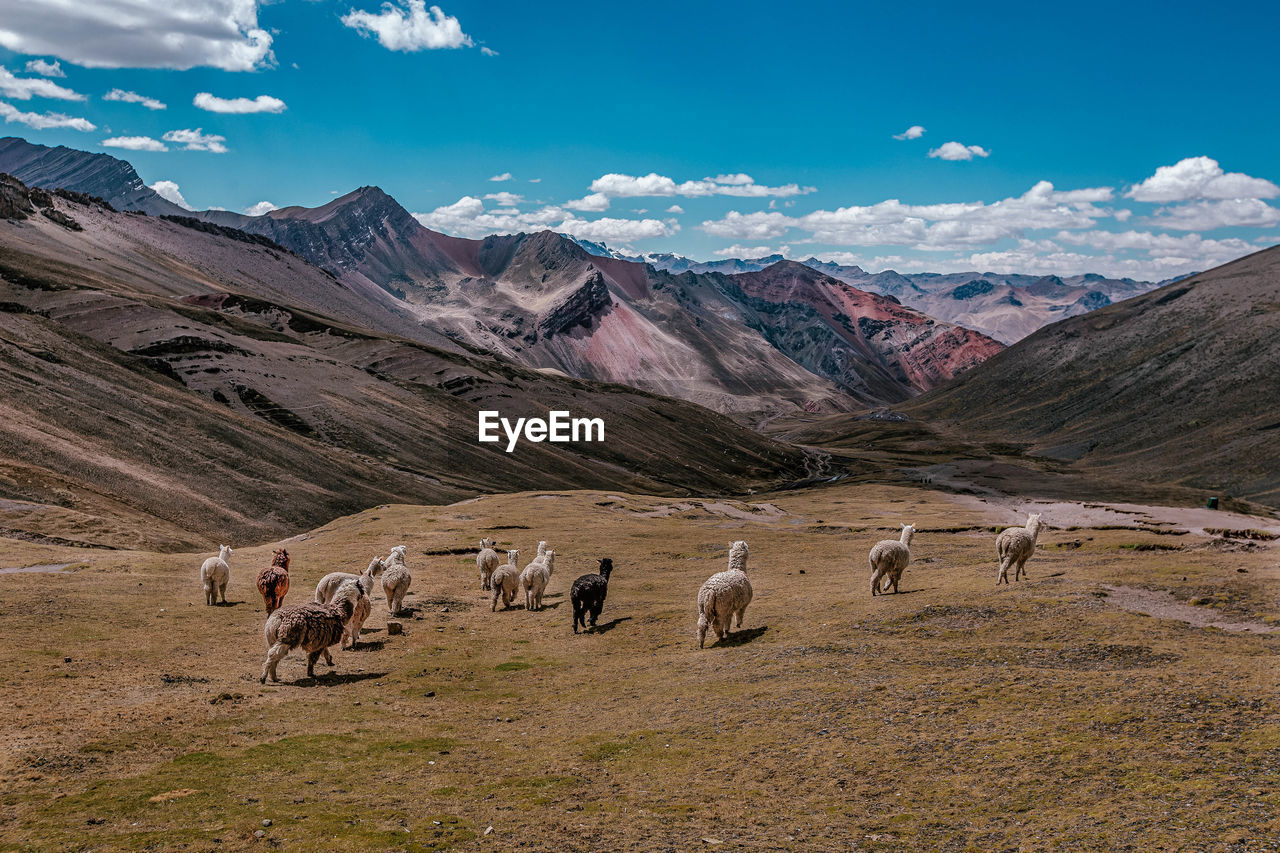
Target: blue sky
(698, 128)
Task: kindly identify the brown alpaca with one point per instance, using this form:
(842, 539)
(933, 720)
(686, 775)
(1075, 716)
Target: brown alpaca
(314, 627)
(273, 581)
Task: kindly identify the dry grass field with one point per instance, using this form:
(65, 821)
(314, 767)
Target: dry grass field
(954, 716)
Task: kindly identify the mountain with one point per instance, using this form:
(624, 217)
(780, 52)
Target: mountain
(98, 175)
(1167, 387)
(174, 383)
(546, 302)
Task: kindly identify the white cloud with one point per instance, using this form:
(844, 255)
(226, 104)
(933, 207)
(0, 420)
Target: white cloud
(505, 199)
(615, 185)
(134, 98)
(675, 208)
(1200, 178)
(930, 227)
(409, 26)
(260, 208)
(23, 88)
(238, 106)
(593, 203)
(135, 143)
(736, 251)
(1207, 215)
(45, 69)
(531, 180)
(505, 176)
(197, 140)
(467, 217)
(169, 191)
(913, 132)
(958, 151)
(140, 33)
(488, 51)
(44, 121)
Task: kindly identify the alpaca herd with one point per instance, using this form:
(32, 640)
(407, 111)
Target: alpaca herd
(343, 601)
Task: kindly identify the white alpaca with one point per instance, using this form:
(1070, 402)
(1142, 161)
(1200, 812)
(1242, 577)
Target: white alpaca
(725, 595)
(329, 583)
(486, 561)
(215, 573)
(535, 578)
(1015, 545)
(506, 581)
(360, 612)
(889, 558)
(395, 579)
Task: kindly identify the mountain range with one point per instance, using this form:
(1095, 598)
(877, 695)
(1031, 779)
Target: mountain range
(1005, 306)
(755, 345)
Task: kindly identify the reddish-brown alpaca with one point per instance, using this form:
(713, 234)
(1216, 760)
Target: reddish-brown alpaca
(273, 581)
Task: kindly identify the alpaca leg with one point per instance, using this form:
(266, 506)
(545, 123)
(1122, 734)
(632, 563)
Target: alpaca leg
(493, 605)
(595, 612)
(312, 657)
(702, 630)
(577, 616)
(222, 590)
(875, 578)
(274, 655)
(1022, 569)
(328, 658)
(741, 613)
(1003, 574)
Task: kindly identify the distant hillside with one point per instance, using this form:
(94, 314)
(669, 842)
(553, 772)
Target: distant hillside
(164, 386)
(99, 175)
(1176, 385)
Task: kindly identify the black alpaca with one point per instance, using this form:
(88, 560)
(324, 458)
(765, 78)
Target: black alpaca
(587, 594)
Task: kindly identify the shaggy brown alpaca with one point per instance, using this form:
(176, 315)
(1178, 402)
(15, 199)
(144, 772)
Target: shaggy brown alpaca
(273, 581)
(314, 627)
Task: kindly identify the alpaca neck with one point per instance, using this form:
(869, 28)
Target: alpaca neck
(1034, 529)
(906, 537)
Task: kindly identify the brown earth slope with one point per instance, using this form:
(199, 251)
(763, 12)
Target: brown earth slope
(1177, 385)
(166, 386)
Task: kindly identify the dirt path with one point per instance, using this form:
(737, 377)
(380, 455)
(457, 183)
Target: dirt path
(1162, 605)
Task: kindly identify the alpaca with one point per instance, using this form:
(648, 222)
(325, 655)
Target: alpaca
(588, 593)
(273, 581)
(215, 574)
(505, 581)
(889, 558)
(363, 606)
(314, 627)
(329, 583)
(535, 578)
(486, 561)
(395, 579)
(1014, 546)
(725, 595)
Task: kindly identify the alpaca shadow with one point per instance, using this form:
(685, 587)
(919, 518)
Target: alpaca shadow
(364, 631)
(368, 646)
(332, 678)
(546, 606)
(229, 603)
(405, 612)
(741, 637)
(608, 626)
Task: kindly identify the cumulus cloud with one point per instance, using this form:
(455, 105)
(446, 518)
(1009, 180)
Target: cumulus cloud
(505, 176)
(409, 26)
(140, 33)
(1200, 178)
(238, 106)
(505, 199)
(44, 121)
(45, 69)
(197, 140)
(616, 185)
(1208, 215)
(260, 208)
(736, 251)
(134, 98)
(958, 151)
(135, 143)
(593, 203)
(169, 191)
(930, 226)
(488, 51)
(23, 88)
(675, 208)
(913, 132)
(467, 217)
